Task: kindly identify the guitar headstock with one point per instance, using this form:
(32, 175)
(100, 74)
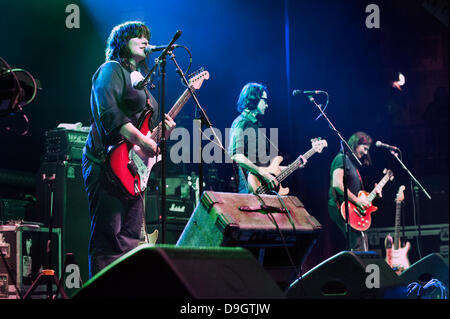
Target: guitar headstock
(318, 144)
(388, 174)
(196, 79)
(400, 195)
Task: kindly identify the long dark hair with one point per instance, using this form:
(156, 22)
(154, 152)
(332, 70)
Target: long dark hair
(361, 138)
(250, 95)
(116, 46)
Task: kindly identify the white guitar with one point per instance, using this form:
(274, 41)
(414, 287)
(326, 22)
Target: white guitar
(397, 256)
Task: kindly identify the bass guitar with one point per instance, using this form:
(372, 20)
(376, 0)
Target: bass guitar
(396, 255)
(257, 186)
(127, 165)
(361, 219)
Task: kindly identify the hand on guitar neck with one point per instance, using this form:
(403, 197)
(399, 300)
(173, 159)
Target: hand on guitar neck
(265, 179)
(130, 162)
(144, 145)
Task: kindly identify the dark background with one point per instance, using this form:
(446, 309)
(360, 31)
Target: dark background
(329, 48)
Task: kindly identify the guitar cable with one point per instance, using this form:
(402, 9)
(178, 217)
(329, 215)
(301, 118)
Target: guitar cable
(298, 272)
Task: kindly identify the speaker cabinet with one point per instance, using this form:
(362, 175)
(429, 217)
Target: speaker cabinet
(279, 234)
(176, 272)
(349, 275)
(70, 209)
(430, 267)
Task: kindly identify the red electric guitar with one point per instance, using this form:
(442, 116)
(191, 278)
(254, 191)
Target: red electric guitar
(361, 220)
(397, 256)
(127, 165)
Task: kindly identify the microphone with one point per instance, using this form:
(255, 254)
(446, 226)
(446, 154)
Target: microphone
(298, 92)
(140, 84)
(154, 48)
(390, 147)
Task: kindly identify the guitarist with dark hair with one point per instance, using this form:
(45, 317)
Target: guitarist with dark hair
(360, 143)
(116, 107)
(245, 141)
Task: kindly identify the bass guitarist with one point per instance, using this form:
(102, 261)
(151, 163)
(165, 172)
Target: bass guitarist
(360, 143)
(116, 220)
(246, 140)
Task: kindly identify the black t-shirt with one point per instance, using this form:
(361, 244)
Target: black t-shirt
(354, 181)
(114, 102)
(244, 139)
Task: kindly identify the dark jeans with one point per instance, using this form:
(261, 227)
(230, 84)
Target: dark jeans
(115, 220)
(358, 240)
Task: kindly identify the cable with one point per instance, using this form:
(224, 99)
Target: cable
(269, 213)
(190, 59)
(427, 289)
(323, 110)
(16, 100)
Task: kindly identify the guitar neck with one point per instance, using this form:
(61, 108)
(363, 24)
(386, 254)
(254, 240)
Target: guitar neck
(294, 166)
(156, 134)
(381, 184)
(398, 209)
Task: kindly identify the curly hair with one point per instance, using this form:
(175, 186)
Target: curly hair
(250, 95)
(117, 44)
(359, 138)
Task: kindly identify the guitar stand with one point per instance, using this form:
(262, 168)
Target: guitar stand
(48, 274)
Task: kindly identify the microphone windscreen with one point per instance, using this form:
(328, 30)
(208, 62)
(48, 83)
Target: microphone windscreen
(136, 77)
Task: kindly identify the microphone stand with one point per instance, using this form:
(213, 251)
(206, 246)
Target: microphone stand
(203, 120)
(416, 202)
(161, 61)
(343, 142)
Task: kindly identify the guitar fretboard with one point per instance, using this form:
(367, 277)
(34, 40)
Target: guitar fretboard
(294, 165)
(156, 134)
(380, 185)
(263, 189)
(398, 209)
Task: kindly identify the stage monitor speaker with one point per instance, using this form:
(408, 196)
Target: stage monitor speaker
(70, 209)
(167, 271)
(432, 266)
(264, 224)
(349, 275)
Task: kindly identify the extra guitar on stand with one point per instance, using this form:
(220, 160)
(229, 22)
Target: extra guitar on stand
(396, 255)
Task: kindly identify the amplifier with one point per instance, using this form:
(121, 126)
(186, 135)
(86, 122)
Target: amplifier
(228, 219)
(278, 231)
(64, 145)
(178, 210)
(70, 209)
(24, 250)
(15, 209)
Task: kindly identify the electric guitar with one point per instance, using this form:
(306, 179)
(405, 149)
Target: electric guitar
(257, 186)
(397, 256)
(361, 220)
(127, 165)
